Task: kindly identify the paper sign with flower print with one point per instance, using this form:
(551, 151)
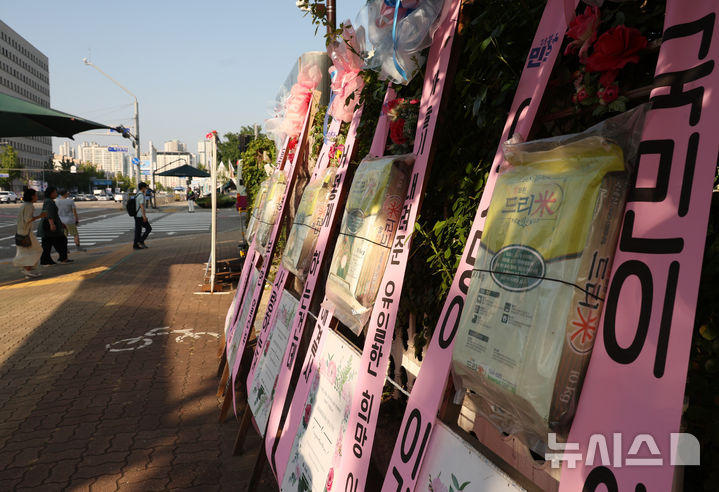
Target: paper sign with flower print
(436, 485)
(324, 414)
(268, 366)
(451, 464)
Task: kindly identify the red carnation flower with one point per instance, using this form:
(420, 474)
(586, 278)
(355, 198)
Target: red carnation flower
(615, 48)
(608, 94)
(396, 132)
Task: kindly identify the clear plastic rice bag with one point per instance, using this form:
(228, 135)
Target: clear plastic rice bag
(257, 204)
(535, 299)
(369, 223)
(306, 227)
(271, 207)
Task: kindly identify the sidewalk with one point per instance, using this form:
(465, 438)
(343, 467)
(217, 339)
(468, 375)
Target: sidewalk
(81, 409)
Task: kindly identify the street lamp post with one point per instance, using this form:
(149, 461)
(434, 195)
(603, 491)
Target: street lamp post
(137, 116)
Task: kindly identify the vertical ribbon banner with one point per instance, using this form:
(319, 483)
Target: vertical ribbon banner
(268, 322)
(359, 438)
(631, 403)
(339, 186)
(291, 174)
(428, 390)
(248, 265)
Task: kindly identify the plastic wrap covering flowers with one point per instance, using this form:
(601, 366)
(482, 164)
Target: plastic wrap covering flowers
(270, 207)
(369, 222)
(398, 31)
(345, 72)
(257, 208)
(306, 227)
(527, 329)
(294, 109)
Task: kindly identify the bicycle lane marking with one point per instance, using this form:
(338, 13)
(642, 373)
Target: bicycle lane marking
(146, 338)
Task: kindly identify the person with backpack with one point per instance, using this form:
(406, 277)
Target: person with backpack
(136, 208)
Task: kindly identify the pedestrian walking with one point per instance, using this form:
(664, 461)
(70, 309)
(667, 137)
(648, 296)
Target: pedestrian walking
(52, 231)
(28, 257)
(141, 220)
(68, 215)
(190, 200)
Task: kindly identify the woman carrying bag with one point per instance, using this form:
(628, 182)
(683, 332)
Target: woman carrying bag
(27, 256)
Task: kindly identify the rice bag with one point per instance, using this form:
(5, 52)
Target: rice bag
(306, 227)
(535, 297)
(271, 207)
(257, 204)
(369, 222)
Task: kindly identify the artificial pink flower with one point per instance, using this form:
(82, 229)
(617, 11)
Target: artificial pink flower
(308, 412)
(583, 30)
(330, 479)
(615, 48)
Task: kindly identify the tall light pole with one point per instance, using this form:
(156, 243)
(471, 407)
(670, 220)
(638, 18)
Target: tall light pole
(137, 117)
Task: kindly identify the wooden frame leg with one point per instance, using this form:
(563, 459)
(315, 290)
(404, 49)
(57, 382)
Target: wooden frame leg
(226, 403)
(259, 467)
(242, 433)
(222, 386)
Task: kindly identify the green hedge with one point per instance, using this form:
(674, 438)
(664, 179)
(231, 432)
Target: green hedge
(223, 201)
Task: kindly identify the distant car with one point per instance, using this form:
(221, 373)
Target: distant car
(102, 198)
(7, 197)
(118, 197)
(91, 198)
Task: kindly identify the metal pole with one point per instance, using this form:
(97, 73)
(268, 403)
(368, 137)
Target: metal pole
(137, 143)
(331, 16)
(137, 116)
(213, 179)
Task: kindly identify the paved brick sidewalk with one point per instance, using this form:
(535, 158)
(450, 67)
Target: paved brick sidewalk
(75, 415)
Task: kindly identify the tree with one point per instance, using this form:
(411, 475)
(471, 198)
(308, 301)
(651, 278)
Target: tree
(259, 151)
(9, 160)
(234, 144)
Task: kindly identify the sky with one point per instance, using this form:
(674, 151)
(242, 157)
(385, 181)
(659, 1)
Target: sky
(194, 66)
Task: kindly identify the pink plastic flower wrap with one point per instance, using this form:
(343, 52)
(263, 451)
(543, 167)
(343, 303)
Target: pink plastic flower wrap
(346, 79)
(299, 100)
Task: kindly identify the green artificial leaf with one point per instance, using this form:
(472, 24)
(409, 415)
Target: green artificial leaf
(619, 105)
(454, 481)
(708, 332)
(464, 485)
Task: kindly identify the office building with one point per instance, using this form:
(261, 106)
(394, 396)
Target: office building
(113, 159)
(24, 73)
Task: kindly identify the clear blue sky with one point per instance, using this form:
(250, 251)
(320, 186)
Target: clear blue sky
(194, 66)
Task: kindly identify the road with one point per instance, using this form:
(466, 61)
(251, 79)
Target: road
(106, 223)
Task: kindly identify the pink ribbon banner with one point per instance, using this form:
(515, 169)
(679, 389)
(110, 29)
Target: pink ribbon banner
(428, 390)
(359, 438)
(631, 403)
(339, 188)
(270, 248)
(250, 260)
(268, 323)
